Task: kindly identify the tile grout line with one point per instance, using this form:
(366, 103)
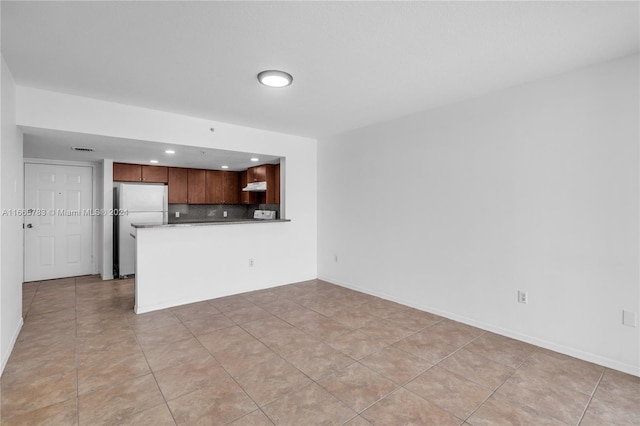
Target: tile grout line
(358, 413)
(289, 363)
(221, 366)
(135, 335)
(281, 357)
(35, 292)
(457, 375)
(502, 384)
(487, 398)
(586, 407)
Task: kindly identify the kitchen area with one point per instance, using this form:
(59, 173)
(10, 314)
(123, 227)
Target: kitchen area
(167, 227)
(152, 195)
(200, 254)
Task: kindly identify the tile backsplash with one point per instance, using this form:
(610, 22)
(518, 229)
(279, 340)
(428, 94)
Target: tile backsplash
(215, 212)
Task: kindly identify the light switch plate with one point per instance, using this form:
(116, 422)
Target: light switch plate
(629, 318)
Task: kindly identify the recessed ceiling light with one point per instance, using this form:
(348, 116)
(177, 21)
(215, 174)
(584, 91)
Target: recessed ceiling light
(225, 167)
(169, 151)
(273, 78)
(153, 161)
(255, 159)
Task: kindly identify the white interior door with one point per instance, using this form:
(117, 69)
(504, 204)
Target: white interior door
(58, 225)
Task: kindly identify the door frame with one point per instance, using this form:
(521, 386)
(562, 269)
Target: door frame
(94, 198)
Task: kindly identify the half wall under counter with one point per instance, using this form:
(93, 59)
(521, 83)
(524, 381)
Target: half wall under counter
(177, 264)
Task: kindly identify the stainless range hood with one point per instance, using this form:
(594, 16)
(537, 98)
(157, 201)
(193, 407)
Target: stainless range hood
(255, 187)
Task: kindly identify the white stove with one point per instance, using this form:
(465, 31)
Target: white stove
(264, 214)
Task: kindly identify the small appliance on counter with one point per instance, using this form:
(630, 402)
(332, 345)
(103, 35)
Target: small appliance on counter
(264, 214)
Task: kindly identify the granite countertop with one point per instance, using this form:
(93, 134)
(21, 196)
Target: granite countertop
(206, 223)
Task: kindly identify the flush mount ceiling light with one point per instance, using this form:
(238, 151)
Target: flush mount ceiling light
(153, 161)
(254, 159)
(273, 78)
(224, 167)
(169, 151)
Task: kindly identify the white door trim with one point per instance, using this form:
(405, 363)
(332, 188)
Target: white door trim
(94, 198)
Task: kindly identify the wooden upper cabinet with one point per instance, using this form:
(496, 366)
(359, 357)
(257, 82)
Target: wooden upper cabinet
(178, 180)
(223, 187)
(156, 174)
(258, 173)
(214, 184)
(123, 172)
(231, 187)
(127, 172)
(270, 177)
(196, 184)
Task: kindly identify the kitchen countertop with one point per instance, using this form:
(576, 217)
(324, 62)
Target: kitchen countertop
(206, 223)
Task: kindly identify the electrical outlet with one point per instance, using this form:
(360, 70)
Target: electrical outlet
(224, 214)
(177, 214)
(251, 263)
(523, 297)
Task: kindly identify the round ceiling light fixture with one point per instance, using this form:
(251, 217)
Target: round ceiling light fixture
(254, 159)
(274, 78)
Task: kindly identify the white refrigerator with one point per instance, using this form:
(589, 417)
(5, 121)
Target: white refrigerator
(144, 203)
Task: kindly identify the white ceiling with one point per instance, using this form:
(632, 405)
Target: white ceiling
(56, 145)
(354, 63)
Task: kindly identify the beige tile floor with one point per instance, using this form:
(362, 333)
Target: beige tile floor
(302, 354)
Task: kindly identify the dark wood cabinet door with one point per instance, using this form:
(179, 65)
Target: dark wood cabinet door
(196, 184)
(230, 187)
(270, 178)
(127, 172)
(156, 174)
(213, 186)
(178, 181)
(257, 174)
(277, 184)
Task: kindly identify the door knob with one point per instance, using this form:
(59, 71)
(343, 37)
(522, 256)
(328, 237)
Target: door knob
(29, 225)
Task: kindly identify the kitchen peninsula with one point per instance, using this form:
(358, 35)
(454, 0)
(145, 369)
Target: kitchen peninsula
(220, 234)
(184, 263)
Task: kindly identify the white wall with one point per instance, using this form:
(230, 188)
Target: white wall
(178, 265)
(106, 255)
(11, 197)
(50, 110)
(535, 188)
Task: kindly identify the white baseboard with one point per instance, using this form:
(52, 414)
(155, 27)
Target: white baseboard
(576, 353)
(106, 277)
(14, 338)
